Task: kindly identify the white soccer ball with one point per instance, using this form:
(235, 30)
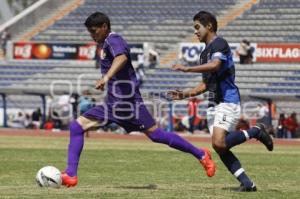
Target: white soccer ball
(48, 176)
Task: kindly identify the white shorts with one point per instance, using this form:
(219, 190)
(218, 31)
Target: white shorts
(224, 115)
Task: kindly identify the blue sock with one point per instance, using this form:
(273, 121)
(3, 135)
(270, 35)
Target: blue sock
(253, 132)
(235, 167)
(176, 142)
(235, 138)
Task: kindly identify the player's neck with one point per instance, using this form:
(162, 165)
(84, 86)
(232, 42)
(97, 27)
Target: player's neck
(106, 35)
(210, 37)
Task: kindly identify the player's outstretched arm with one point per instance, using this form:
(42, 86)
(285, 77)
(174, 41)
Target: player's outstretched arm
(212, 66)
(179, 95)
(118, 63)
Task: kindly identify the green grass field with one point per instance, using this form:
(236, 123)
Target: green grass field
(141, 169)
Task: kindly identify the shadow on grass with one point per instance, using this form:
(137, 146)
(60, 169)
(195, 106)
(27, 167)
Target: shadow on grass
(236, 189)
(149, 186)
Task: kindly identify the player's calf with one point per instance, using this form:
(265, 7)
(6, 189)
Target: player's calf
(219, 147)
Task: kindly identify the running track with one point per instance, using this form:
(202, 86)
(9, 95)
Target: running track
(105, 135)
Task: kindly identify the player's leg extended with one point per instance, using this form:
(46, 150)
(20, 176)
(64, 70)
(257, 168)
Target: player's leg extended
(175, 141)
(228, 158)
(219, 122)
(258, 132)
(223, 141)
(77, 129)
(226, 117)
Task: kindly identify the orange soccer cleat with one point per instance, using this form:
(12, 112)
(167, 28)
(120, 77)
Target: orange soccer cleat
(67, 180)
(208, 164)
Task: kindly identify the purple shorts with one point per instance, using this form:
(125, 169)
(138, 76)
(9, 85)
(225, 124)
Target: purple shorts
(130, 117)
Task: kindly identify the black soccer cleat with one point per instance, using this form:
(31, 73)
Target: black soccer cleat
(264, 136)
(242, 188)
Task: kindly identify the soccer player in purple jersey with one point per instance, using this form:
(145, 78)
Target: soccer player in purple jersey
(223, 111)
(123, 104)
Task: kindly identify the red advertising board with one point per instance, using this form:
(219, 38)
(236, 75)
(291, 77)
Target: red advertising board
(267, 52)
(22, 50)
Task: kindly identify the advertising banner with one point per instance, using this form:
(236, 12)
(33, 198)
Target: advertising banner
(135, 50)
(63, 51)
(262, 52)
(55, 51)
(267, 52)
(190, 52)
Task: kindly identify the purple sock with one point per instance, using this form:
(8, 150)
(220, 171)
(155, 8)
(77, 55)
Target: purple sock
(176, 142)
(75, 148)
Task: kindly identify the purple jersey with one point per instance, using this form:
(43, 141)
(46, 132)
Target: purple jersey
(123, 103)
(123, 86)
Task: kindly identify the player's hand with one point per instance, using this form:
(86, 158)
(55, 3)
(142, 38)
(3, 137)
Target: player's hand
(175, 95)
(100, 84)
(180, 67)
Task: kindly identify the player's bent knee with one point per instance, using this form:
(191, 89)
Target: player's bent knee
(219, 147)
(153, 136)
(75, 128)
(151, 130)
(154, 139)
(156, 136)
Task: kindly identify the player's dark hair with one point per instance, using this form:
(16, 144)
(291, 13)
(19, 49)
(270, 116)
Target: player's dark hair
(97, 19)
(205, 18)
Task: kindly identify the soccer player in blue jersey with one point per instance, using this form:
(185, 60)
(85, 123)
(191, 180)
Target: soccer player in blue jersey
(123, 104)
(217, 68)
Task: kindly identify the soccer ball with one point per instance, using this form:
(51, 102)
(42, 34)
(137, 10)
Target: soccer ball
(48, 176)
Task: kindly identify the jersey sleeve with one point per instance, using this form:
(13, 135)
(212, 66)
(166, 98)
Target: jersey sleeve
(117, 46)
(220, 49)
